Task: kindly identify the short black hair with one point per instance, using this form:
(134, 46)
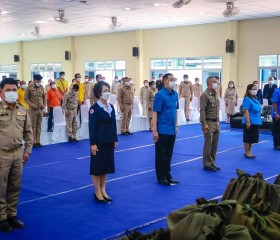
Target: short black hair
(37, 77)
(61, 73)
(165, 76)
(8, 81)
(76, 75)
(151, 83)
(97, 76)
(186, 76)
(145, 81)
(76, 86)
(97, 90)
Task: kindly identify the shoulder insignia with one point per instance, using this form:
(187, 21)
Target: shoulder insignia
(91, 111)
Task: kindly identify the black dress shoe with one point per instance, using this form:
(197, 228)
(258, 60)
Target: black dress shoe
(172, 181)
(107, 199)
(39, 145)
(129, 133)
(15, 222)
(252, 156)
(277, 148)
(75, 140)
(70, 139)
(5, 226)
(188, 120)
(99, 200)
(210, 168)
(35, 145)
(164, 182)
(217, 168)
(124, 134)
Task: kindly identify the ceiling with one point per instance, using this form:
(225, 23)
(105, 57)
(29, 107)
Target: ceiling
(20, 17)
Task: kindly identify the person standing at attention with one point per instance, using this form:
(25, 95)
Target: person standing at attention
(197, 90)
(150, 102)
(276, 119)
(186, 92)
(209, 119)
(259, 93)
(143, 97)
(251, 119)
(165, 128)
(88, 85)
(53, 100)
(35, 97)
(103, 140)
(231, 98)
(21, 92)
(125, 101)
(62, 84)
(269, 89)
(15, 128)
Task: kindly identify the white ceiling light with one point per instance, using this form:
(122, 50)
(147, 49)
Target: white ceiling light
(40, 22)
(3, 12)
(202, 13)
(156, 4)
(127, 9)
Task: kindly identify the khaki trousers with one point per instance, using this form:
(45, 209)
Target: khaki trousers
(187, 107)
(36, 118)
(144, 107)
(211, 139)
(10, 182)
(126, 117)
(71, 124)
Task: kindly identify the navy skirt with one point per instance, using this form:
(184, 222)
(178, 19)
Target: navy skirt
(103, 162)
(251, 135)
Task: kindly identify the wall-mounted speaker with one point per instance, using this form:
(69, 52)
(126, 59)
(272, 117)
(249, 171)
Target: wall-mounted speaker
(16, 58)
(135, 52)
(67, 55)
(229, 46)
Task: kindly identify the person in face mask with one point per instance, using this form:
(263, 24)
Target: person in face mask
(165, 128)
(269, 89)
(81, 94)
(36, 99)
(48, 86)
(143, 97)
(103, 141)
(150, 102)
(197, 89)
(275, 114)
(88, 85)
(259, 93)
(53, 100)
(115, 85)
(186, 92)
(15, 130)
(62, 84)
(125, 101)
(231, 98)
(21, 92)
(209, 119)
(70, 106)
(251, 119)
(159, 82)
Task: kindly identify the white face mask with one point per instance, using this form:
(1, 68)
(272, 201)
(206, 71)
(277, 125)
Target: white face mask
(185, 79)
(270, 81)
(172, 84)
(215, 86)
(86, 80)
(230, 85)
(62, 77)
(78, 79)
(38, 84)
(147, 84)
(11, 97)
(74, 92)
(106, 95)
(53, 86)
(154, 86)
(197, 82)
(254, 92)
(127, 84)
(23, 86)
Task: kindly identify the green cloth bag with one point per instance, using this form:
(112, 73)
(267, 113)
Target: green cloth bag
(228, 232)
(257, 217)
(160, 234)
(187, 223)
(277, 180)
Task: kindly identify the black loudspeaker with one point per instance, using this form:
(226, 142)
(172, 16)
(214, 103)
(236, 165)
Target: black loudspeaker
(16, 58)
(67, 55)
(135, 52)
(229, 46)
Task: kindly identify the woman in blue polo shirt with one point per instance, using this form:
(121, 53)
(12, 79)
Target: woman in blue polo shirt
(251, 119)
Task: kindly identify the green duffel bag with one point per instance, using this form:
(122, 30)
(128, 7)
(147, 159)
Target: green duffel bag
(257, 217)
(187, 223)
(245, 186)
(160, 234)
(225, 232)
(277, 180)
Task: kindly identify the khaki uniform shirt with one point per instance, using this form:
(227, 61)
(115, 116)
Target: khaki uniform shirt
(209, 106)
(143, 94)
(35, 97)
(125, 95)
(93, 99)
(15, 126)
(115, 86)
(70, 101)
(197, 90)
(88, 88)
(220, 94)
(185, 89)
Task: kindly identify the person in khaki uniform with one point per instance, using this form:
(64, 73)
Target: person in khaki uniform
(115, 85)
(70, 106)
(88, 87)
(15, 127)
(219, 89)
(186, 91)
(35, 97)
(143, 97)
(209, 119)
(150, 102)
(125, 101)
(231, 98)
(197, 90)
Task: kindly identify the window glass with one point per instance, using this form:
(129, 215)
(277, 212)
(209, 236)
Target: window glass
(193, 63)
(109, 65)
(158, 64)
(120, 64)
(213, 62)
(268, 60)
(175, 63)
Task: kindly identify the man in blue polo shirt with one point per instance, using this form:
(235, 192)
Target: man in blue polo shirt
(276, 118)
(165, 129)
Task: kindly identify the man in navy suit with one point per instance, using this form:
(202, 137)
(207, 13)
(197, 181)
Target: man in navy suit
(269, 89)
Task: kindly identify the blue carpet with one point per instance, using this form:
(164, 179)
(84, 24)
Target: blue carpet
(57, 194)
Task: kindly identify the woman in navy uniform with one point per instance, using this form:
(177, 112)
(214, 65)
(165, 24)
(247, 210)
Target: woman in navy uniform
(103, 140)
